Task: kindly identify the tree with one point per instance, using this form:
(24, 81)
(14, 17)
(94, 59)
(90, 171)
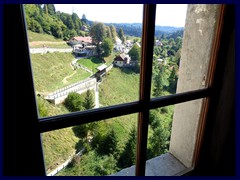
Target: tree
(74, 102)
(127, 158)
(43, 112)
(108, 144)
(49, 9)
(98, 33)
(160, 81)
(113, 32)
(121, 35)
(88, 101)
(173, 81)
(107, 47)
(84, 19)
(135, 53)
(108, 32)
(76, 21)
(35, 26)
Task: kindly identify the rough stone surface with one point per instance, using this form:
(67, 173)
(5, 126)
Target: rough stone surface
(164, 165)
(195, 56)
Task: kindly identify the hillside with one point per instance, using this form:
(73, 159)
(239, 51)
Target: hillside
(53, 71)
(135, 29)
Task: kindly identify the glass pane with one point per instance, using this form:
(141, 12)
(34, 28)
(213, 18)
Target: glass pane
(94, 149)
(79, 47)
(184, 36)
(171, 138)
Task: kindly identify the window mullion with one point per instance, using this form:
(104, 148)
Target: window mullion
(145, 85)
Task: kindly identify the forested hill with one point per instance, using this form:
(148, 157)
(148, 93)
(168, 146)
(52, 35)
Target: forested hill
(45, 19)
(135, 29)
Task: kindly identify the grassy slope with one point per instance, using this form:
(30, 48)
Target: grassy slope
(50, 69)
(32, 36)
(59, 144)
(119, 87)
(37, 40)
(125, 90)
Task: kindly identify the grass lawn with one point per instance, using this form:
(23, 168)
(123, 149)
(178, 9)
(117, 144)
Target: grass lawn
(91, 63)
(53, 71)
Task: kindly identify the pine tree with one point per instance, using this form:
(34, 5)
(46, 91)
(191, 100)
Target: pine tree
(128, 156)
(113, 32)
(121, 35)
(109, 144)
(88, 101)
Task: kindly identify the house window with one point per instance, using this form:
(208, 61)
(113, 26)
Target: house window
(142, 107)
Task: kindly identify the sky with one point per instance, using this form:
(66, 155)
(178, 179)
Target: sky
(166, 14)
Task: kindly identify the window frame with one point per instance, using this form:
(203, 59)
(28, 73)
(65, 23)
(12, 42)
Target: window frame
(142, 106)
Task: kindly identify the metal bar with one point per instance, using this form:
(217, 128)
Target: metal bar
(145, 85)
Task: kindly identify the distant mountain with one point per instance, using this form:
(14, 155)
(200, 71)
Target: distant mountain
(135, 29)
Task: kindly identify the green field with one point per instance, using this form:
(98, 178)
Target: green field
(53, 71)
(91, 63)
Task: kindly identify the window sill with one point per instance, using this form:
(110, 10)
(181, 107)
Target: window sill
(164, 165)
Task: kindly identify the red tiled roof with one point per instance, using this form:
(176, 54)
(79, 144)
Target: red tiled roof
(87, 39)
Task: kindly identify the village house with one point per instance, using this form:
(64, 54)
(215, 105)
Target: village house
(122, 60)
(158, 43)
(118, 45)
(128, 43)
(82, 40)
(84, 46)
(84, 28)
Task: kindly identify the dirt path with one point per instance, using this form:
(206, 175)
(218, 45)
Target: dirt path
(65, 79)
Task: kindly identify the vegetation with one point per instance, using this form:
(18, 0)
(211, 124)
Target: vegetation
(74, 102)
(91, 63)
(53, 71)
(33, 36)
(44, 19)
(98, 34)
(88, 102)
(121, 35)
(107, 47)
(109, 145)
(120, 86)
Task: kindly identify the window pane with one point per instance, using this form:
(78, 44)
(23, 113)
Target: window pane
(184, 36)
(172, 138)
(79, 47)
(99, 148)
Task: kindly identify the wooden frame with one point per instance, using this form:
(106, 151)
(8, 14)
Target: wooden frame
(142, 106)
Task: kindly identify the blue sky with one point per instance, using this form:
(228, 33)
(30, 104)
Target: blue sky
(166, 15)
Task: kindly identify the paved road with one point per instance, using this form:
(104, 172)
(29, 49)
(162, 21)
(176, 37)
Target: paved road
(45, 50)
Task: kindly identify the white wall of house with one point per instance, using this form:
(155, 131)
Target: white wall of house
(119, 63)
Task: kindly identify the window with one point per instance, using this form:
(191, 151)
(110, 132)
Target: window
(142, 107)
